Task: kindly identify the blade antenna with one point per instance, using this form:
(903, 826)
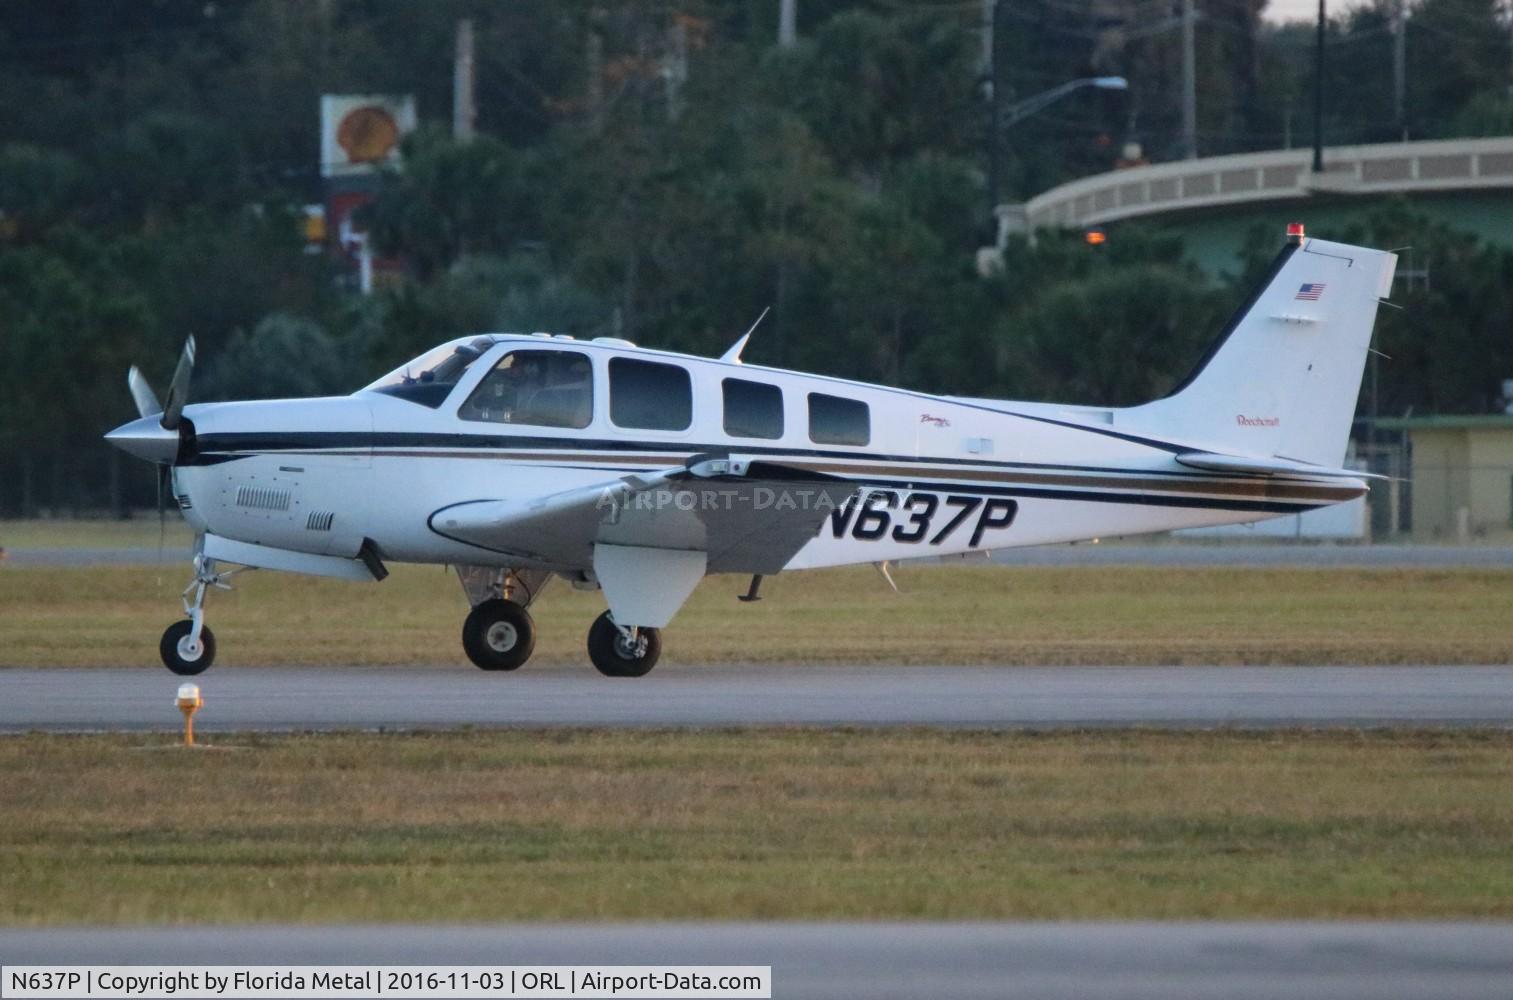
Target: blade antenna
(733, 356)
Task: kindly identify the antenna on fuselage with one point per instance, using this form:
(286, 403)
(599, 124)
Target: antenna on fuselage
(734, 354)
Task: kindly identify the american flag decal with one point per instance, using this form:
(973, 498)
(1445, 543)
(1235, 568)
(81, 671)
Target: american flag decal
(1311, 291)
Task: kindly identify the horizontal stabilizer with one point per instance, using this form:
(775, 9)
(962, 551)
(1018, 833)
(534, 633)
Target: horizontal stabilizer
(1254, 465)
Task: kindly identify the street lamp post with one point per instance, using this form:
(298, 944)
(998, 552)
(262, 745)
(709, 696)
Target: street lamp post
(1007, 117)
(1318, 95)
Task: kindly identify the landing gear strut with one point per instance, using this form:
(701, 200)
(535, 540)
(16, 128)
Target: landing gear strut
(619, 651)
(188, 646)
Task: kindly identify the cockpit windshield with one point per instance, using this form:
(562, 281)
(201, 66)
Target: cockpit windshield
(430, 378)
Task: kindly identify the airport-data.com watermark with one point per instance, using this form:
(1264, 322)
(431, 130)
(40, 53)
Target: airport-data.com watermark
(619, 499)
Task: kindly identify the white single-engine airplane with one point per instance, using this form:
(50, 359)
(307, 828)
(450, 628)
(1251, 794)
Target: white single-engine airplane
(519, 457)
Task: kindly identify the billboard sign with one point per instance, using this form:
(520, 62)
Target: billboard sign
(360, 133)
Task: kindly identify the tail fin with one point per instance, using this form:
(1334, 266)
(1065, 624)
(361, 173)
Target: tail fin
(1283, 377)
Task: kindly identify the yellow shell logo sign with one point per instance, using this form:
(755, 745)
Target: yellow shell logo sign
(367, 134)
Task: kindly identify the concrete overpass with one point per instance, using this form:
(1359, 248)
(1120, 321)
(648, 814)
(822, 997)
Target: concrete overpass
(1216, 199)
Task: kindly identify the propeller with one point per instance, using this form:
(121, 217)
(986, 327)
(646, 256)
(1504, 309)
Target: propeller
(178, 389)
(142, 394)
(157, 440)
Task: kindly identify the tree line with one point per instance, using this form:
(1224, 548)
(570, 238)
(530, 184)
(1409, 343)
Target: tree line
(662, 172)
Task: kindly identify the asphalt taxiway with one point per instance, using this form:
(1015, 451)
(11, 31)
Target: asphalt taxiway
(1174, 554)
(1298, 961)
(680, 695)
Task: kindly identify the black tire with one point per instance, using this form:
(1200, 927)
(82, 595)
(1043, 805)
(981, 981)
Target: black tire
(173, 655)
(499, 635)
(607, 648)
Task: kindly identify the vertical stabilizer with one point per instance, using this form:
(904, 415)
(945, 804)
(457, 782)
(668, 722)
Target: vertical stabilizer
(1283, 377)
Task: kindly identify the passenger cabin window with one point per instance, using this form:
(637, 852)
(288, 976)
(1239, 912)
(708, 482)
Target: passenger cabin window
(648, 395)
(753, 409)
(833, 420)
(538, 388)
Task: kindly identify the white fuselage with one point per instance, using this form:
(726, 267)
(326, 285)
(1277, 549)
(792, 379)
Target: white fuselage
(940, 475)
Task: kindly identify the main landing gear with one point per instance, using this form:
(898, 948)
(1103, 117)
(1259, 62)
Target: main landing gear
(618, 651)
(188, 646)
(499, 633)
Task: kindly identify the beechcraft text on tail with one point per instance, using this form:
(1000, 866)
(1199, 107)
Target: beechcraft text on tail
(521, 458)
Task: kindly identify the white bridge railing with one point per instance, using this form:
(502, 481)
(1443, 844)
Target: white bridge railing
(1442, 165)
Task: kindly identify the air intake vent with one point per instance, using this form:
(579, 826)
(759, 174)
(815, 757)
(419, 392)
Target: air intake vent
(262, 498)
(183, 502)
(319, 520)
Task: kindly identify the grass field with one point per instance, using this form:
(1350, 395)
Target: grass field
(946, 614)
(756, 824)
(139, 532)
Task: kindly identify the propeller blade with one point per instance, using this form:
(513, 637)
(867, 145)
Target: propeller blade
(178, 389)
(142, 394)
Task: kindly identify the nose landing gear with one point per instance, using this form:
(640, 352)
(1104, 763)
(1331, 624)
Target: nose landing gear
(184, 653)
(188, 646)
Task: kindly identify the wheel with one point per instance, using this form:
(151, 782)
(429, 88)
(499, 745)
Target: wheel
(498, 635)
(614, 657)
(182, 658)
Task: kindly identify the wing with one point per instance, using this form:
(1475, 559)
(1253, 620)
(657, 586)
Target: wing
(745, 515)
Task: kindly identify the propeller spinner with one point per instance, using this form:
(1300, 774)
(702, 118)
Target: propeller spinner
(156, 434)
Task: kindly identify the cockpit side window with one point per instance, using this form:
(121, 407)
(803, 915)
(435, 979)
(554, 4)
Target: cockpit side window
(430, 378)
(537, 388)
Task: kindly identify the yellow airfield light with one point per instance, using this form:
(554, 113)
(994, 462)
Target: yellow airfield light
(189, 702)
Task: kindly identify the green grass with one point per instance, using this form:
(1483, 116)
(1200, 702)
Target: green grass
(946, 614)
(142, 531)
(763, 824)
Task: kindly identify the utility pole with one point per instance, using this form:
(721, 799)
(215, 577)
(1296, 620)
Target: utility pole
(595, 59)
(788, 16)
(1399, 67)
(985, 61)
(1190, 81)
(995, 104)
(1318, 96)
(675, 68)
(464, 113)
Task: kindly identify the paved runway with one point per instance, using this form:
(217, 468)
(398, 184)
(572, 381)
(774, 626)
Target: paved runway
(1333, 556)
(1298, 961)
(279, 698)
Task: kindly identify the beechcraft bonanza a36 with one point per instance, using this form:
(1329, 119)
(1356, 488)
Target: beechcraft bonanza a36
(519, 458)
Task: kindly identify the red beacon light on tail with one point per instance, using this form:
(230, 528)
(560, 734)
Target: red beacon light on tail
(1294, 233)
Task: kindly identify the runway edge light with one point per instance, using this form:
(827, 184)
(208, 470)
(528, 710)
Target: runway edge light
(189, 702)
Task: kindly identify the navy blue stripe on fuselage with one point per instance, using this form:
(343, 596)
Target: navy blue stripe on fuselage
(217, 447)
(1092, 496)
